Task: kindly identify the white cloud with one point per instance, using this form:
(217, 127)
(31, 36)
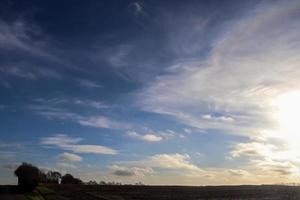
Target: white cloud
(152, 136)
(267, 159)
(173, 161)
(102, 122)
(146, 137)
(95, 149)
(231, 89)
(252, 149)
(253, 60)
(177, 162)
(69, 157)
(281, 168)
(60, 140)
(65, 142)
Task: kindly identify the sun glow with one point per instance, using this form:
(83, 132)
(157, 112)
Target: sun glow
(287, 114)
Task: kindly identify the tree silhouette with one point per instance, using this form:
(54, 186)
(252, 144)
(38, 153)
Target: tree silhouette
(69, 179)
(28, 177)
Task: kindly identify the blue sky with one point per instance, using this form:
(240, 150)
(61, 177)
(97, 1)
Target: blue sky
(163, 92)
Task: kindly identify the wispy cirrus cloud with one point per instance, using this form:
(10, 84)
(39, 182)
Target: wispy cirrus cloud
(89, 84)
(56, 109)
(27, 37)
(64, 142)
(228, 89)
(59, 102)
(17, 35)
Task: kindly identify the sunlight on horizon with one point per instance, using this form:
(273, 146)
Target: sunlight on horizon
(286, 114)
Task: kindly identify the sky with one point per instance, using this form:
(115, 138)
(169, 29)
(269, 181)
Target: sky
(163, 92)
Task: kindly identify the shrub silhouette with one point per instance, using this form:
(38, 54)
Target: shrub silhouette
(69, 179)
(28, 177)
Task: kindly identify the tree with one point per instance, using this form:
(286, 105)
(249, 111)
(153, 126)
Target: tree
(92, 183)
(28, 177)
(69, 179)
(53, 177)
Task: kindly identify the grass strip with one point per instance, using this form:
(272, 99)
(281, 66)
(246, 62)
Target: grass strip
(48, 194)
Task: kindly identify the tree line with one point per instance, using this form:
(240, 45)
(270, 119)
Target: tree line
(29, 176)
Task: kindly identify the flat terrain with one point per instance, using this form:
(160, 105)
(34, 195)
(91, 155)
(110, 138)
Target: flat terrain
(109, 192)
(10, 193)
(90, 192)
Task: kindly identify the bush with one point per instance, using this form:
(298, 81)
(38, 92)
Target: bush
(69, 179)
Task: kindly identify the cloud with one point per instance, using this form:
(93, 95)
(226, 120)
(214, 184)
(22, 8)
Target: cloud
(89, 84)
(152, 136)
(231, 88)
(125, 172)
(282, 168)
(95, 149)
(60, 140)
(29, 72)
(102, 122)
(21, 35)
(65, 142)
(177, 162)
(267, 159)
(173, 161)
(56, 109)
(238, 172)
(59, 102)
(252, 149)
(137, 9)
(146, 137)
(69, 157)
(15, 35)
(19, 72)
(91, 103)
(130, 171)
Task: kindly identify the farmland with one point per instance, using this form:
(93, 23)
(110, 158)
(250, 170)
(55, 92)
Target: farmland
(176, 192)
(130, 192)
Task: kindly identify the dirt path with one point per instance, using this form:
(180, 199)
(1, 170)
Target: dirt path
(12, 197)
